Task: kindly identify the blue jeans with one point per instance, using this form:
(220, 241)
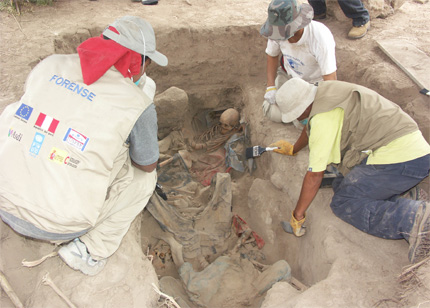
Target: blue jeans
(368, 197)
(351, 8)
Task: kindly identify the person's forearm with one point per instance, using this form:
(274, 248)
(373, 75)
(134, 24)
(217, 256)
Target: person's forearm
(311, 184)
(332, 76)
(301, 142)
(272, 66)
(146, 168)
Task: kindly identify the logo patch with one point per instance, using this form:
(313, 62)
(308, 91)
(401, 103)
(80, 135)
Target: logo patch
(47, 123)
(58, 156)
(36, 144)
(62, 157)
(76, 139)
(24, 112)
(14, 134)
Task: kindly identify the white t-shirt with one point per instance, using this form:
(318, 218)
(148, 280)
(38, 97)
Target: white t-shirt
(311, 57)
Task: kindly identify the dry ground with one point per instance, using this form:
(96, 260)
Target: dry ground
(216, 56)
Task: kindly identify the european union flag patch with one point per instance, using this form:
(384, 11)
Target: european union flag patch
(24, 112)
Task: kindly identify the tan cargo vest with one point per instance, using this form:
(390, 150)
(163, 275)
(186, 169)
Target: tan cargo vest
(63, 144)
(370, 120)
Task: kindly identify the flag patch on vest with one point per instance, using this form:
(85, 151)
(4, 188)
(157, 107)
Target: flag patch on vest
(76, 139)
(24, 112)
(46, 123)
(36, 144)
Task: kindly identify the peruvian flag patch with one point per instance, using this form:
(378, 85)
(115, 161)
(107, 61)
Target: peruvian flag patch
(47, 123)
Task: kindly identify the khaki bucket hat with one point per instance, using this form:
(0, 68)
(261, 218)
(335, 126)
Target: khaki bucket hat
(293, 97)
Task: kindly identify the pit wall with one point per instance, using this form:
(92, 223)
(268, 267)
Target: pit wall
(342, 265)
(214, 66)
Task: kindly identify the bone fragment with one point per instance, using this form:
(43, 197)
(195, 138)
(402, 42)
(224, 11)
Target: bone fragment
(170, 299)
(46, 280)
(300, 286)
(37, 262)
(9, 291)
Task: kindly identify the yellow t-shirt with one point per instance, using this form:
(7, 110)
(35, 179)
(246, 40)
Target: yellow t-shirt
(324, 144)
(324, 139)
(405, 148)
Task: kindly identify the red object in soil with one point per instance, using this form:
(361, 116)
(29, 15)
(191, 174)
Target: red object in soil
(241, 226)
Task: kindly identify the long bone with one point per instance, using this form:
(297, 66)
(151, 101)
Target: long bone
(46, 280)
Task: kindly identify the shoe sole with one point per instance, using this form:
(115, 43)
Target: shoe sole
(422, 243)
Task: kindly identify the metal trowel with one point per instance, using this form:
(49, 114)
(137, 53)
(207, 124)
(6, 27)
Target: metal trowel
(287, 227)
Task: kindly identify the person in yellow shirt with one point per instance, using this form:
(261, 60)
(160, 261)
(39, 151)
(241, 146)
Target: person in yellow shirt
(378, 150)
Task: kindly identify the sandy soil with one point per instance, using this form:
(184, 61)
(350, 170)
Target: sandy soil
(216, 56)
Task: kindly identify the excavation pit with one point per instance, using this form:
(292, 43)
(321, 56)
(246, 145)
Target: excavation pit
(339, 265)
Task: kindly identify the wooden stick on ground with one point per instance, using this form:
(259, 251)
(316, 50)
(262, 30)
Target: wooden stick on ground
(9, 291)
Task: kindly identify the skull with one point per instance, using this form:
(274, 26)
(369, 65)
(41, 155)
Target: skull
(229, 120)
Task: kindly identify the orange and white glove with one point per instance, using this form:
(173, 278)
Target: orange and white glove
(297, 225)
(285, 147)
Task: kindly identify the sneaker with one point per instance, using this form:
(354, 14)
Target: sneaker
(359, 32)
(76, 255)
(416, 193)
(419, 238)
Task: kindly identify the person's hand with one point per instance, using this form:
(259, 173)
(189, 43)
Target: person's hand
(270, 95)
(297, 225)
(285, 147)
(294, 226)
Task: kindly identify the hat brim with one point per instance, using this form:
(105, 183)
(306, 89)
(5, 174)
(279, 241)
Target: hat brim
(158, 58)
(155, 56)
(297, 112)
(287, 31)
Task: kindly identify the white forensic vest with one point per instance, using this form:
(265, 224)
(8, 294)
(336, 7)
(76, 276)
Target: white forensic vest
(63, 144)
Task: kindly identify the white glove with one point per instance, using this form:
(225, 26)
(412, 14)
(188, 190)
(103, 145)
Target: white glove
(270, 95)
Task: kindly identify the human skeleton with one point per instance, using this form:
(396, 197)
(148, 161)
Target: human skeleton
(218, 134)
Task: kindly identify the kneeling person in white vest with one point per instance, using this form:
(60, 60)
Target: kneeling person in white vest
(83, 139)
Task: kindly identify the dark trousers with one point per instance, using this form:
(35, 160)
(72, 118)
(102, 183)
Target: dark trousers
(368, 197)
(351, 8)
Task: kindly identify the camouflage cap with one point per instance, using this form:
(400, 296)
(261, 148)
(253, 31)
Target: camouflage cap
(286, 17)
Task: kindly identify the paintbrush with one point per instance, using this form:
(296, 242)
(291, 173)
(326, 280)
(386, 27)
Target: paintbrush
(257, 150)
